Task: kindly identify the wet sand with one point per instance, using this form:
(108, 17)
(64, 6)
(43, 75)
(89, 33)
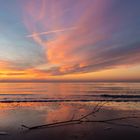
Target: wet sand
(13, 115)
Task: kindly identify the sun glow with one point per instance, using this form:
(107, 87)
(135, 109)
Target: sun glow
(47, 39)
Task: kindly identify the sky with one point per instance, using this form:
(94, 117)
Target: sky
(70, 39)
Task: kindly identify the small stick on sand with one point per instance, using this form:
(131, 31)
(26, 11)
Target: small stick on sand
(85, 119)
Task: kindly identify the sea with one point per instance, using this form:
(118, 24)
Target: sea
(37, 103)
(69, 92)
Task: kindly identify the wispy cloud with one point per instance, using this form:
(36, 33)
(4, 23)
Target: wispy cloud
(52, 31)
(97, 37)
(68, 37)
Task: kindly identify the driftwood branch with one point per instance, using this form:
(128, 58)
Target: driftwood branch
(85, 119)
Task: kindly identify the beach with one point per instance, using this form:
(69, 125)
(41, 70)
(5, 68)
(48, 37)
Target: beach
(69, 69)
(30, 108)
(14, 115)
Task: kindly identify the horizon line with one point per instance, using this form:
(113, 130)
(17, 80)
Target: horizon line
(67, 81)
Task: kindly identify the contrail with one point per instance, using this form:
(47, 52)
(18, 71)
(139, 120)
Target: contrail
(50, 32)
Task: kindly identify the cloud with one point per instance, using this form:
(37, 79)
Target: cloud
(6, 65)
(50, 32)
(105, 37)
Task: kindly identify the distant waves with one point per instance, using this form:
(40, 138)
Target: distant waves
(11, 98)
(106, 99)
(119, 96)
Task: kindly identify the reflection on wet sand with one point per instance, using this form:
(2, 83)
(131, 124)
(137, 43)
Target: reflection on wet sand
(41, 113)
(13, 115)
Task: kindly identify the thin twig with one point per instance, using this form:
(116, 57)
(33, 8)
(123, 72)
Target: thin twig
(84, 119)
(95, 110)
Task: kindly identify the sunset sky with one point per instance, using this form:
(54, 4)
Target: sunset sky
(70, 39)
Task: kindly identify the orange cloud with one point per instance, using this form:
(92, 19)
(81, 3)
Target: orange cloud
(93, 45)
(10, 71)
(61, 49)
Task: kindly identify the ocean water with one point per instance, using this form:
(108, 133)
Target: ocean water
(33, 104)
(69, 92)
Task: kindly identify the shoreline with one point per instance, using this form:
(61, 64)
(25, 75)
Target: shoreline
(43, 113)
